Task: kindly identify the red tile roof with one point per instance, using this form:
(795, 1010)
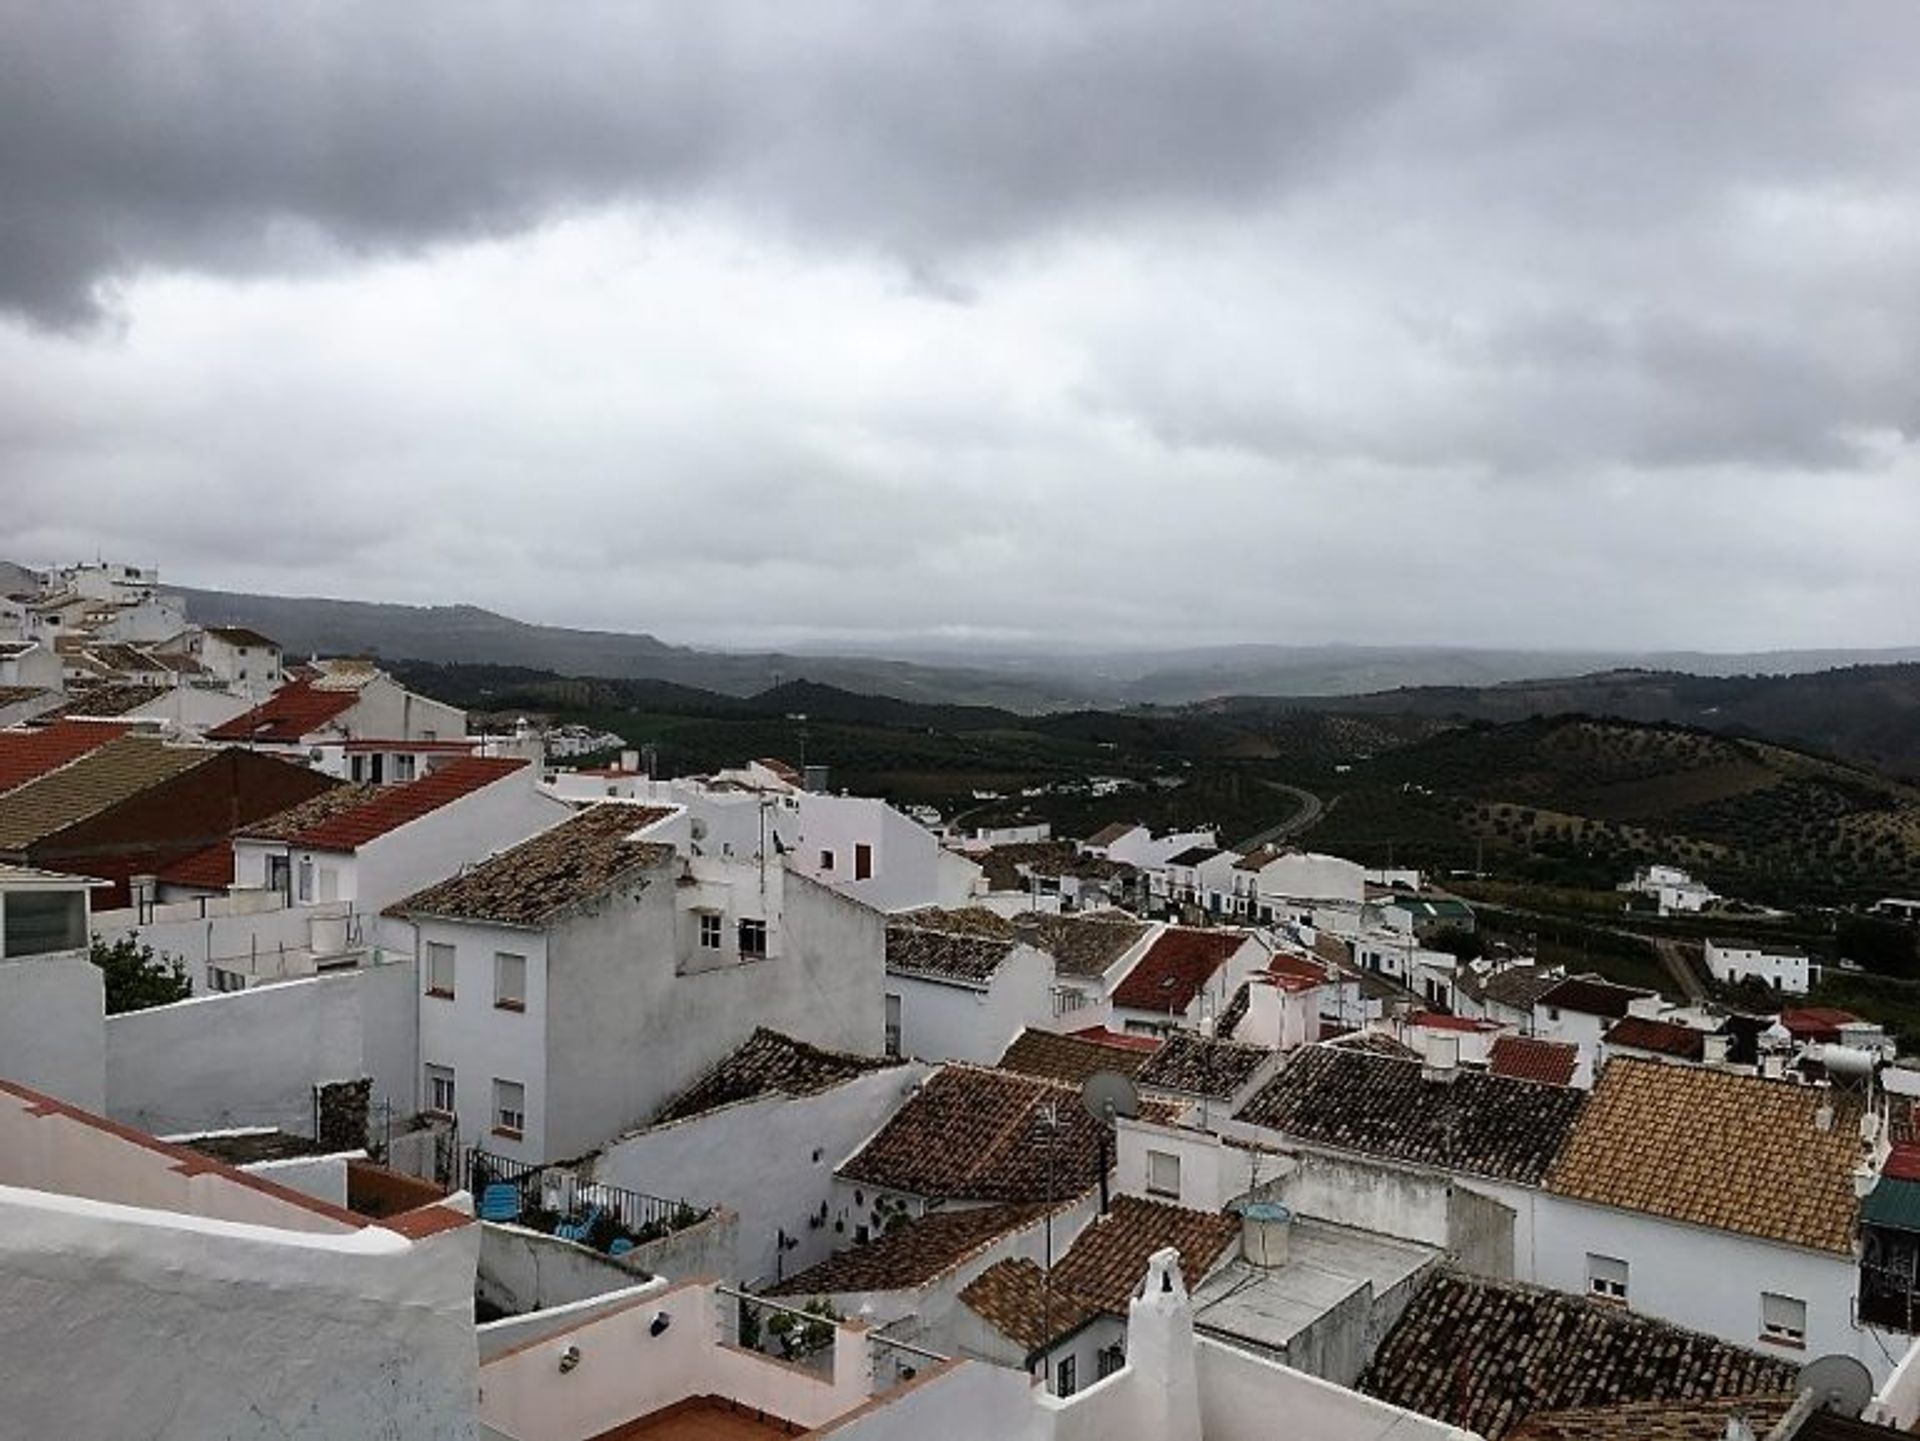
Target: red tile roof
(1526, 1059)
(1300, 968)
(395, 806)
(1665, 1038)
(1174, 969)
(1100, 1035)
(1903, 1162)
(27, 755)
(291, 713)
(210, 869)
(1817, 1023)
(455, 747)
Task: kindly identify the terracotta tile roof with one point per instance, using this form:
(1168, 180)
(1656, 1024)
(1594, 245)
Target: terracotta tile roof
(1004, 865)
(1816, 1023)
(94, 783)
(241, 635)
(1488, 1125)
(1304, 968)
(1124, 1040)
(296, 710)
(1110, 1256)
(911, 1255)
(391, 807)
(1201, 1066)
(1069, 1059)
(945, 955)
(1654, 1420)
(1516, 986)
(1486, 1355)
(210, 869)
(28, 754)
(1081, 945)
(1591, 996)
(976, 1134)
(1440, 1021)
(1737, 1153)
(1374, 1043)
(1666, 1038)
(1018, 1300)
(575, 861)
(1526, 1059)
(1234, 1011)
(1107, 835)
(1174, 969)
(770, 1063)
(294, 820)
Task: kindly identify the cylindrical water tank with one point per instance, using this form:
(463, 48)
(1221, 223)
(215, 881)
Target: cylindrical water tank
(1266, 1232)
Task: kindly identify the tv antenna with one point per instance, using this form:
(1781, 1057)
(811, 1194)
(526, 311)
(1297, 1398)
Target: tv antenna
(1108, 1096)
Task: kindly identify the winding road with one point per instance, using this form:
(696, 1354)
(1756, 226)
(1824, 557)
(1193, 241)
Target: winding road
(1310, 809)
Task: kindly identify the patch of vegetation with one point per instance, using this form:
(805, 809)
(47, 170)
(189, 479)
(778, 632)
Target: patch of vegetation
(136, 977)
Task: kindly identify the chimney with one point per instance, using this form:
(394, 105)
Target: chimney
(1823, 1118)
(1441, 1064)
(1713, 1049)
(1266, 1234)
(630, 762)
(1261, 1024)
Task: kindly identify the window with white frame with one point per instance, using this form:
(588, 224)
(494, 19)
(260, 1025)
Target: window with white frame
(440, 1089)
(305, 891)
(509, 981)
(753, 938)
(1606, 1278)
(439, 969)
(1783, 1319)
(1163, 1174)
(709, 931)
(509, 1108)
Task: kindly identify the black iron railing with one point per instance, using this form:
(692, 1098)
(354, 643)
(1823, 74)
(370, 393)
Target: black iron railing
(552, 1193)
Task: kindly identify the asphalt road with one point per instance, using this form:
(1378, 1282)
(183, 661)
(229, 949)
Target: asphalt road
(1310, 809)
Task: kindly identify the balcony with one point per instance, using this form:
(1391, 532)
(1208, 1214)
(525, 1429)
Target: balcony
(556, 1202)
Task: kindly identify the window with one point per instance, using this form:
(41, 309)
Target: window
(439, 969)
(509, 981)
(753, 938)
(329, 884)
(509, 1108)
(1065, 1382)
(404, 767)
(709, 931)
(440, 1089)
(42, 922)
(862, 861)
(1606, 1278)
(1783, 1319)
(826, 860)
(1110, 1359)
(1163, 1174)
(893, 1025)
(306, 878)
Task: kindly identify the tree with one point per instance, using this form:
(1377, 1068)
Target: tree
(136, 977)
(1882, 946)
(1456, 941)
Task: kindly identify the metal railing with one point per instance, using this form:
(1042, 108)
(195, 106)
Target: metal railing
(559, 1192)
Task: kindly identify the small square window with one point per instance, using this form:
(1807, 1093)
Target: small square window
(1783, 1319)
(826, 860)
(440, 1089)
(509, 1109)
(709, 932)
(753, 938)
(509, 981)
(1606, 1278)
(1163, 1174)
(439, 970)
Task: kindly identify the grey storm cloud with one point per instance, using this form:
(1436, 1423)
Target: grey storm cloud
(974, 307)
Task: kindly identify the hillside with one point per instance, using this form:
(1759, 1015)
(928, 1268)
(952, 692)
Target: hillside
(1868, 714)
(1582, 800)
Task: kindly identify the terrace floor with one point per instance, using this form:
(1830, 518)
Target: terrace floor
(706, 1418)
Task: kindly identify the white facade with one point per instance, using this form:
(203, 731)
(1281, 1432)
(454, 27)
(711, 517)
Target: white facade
(32, 665)
(623, 1006)
(1710, 1280)
(52, 1001)
(942, 1019)
(1735, 961)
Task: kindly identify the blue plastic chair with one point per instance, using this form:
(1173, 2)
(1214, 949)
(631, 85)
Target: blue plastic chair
(500, 1202)
(578, 1230)
(620, 1247)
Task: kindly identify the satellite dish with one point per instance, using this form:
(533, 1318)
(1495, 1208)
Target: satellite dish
(1839, 1384)
(1107, 1094)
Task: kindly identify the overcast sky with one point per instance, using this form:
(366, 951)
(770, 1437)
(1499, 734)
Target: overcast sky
(1585, 324)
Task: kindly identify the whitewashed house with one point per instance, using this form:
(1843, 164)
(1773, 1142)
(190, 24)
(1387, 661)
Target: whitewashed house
(956, 995)
(345, 700)
(1582, 1009)
(243, 660)
(1278, 883)
(1722, 1202)
(52, 1008)
(1185, 978)
(1733, 961)
(573, 984)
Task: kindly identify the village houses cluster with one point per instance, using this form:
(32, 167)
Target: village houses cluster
(521, 1101)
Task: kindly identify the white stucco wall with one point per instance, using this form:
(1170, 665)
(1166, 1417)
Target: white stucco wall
(182, 1328)
(394, 866)
(770, 1160)
(53, 1027)
(252, 1058)
(953, 1021)
(481, 1042)
(626, 1031)
(1710, 1280)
